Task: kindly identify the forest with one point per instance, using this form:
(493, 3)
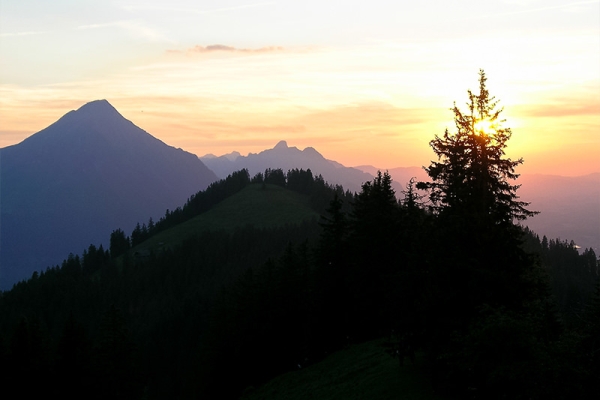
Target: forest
(445, 270)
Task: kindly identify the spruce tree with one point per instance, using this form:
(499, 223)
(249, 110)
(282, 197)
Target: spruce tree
(487, 292)
(471, 176)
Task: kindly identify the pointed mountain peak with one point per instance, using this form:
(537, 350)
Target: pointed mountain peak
(98, 107)
(281, 145)
(94, 120)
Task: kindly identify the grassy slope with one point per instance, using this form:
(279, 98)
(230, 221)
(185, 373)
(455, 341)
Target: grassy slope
(263, 208)
(362, 371)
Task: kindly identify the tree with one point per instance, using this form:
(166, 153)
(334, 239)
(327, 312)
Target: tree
(477, 207)
(375, 207)
(275, 177)
(114, 358)
(471, 175)
(375, 254)
(487, 294)
(119, 243)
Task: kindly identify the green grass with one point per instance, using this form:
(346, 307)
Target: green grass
(266, 207)
(362, 371)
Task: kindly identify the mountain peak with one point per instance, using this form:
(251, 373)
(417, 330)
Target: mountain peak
(97, 107)
(312, 152)
(92, 120)
(281, 145)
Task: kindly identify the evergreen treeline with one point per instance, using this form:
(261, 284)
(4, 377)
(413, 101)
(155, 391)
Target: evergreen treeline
(179, 324)
(158, 305)
(450, 275)
(298, 180)
(389, 268)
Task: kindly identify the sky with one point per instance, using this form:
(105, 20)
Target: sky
(363, 82)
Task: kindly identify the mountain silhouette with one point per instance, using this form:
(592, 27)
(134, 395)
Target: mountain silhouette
(71, 184)
(285, 157)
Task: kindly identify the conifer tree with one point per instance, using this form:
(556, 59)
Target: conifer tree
(487, 292)
(478, 208)
(471, 176)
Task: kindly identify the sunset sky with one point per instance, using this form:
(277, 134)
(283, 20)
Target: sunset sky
(364, 82)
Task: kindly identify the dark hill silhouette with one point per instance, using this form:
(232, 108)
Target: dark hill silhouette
(285, 157)
(71, 184)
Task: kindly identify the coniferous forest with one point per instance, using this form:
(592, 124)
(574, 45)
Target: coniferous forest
(447, 274)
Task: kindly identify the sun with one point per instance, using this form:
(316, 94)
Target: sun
(484, 127)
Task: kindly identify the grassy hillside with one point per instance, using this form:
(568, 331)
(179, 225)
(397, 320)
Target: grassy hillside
(261, 206)
(362, 371)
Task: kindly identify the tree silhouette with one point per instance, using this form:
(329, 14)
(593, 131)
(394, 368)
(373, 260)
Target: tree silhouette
(119, 243)
(114, 358)
(471, 174)
(488, 294)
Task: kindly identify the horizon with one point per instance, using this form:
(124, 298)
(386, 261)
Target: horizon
(362, 84)
(242, 154)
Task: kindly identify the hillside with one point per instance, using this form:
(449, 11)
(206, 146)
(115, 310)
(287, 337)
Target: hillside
(363, 371)
(261, 207)
(568, 205)
(231, 305)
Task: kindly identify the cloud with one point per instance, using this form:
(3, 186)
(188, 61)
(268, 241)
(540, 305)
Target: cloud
(137, 28)
(213, 48)
(564, 110)
(567, 6)
(196, 11)
(27, 33)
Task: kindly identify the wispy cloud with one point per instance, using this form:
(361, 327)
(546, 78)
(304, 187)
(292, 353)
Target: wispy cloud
(26, 33)
(533, 10)
(135, 27)
(227, 49)
(564, 110)
(196, 11)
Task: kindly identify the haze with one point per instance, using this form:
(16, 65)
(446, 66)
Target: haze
(364, 82)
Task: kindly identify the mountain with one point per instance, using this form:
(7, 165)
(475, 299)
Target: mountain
(71, 184)
(285, 157)
(569, 207)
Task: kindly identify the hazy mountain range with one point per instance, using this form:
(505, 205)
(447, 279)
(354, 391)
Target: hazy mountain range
(93, 171)
(71, 184)
(285, 157)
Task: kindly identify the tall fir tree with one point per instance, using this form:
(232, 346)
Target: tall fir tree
(471, 176)
(487, 291)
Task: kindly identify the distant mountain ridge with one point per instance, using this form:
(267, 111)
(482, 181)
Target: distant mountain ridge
(285, 157)
(72, 183)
